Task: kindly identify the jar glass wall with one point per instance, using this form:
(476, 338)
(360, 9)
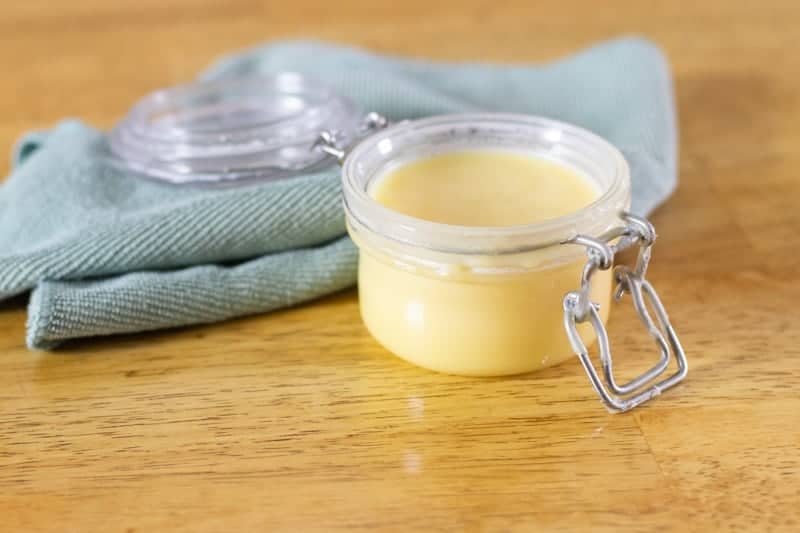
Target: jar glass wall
(477, 300)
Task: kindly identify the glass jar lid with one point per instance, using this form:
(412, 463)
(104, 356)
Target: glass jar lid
(254, 128)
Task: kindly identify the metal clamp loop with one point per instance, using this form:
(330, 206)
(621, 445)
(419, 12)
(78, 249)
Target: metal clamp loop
(329, 141)
(578, 308)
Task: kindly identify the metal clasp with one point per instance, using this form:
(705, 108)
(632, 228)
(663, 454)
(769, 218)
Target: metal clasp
(329, 141)
(579, 308)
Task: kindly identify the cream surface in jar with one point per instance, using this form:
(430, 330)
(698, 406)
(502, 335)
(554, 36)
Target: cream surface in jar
(483, 188)
(460, 222)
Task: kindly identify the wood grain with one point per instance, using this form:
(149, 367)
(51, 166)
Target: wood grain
(298, 421)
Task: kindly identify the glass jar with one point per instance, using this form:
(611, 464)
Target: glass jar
(481, 301)
(488, 301)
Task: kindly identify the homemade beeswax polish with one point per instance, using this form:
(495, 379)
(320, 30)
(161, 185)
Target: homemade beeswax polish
(487, 321)
(483, 188)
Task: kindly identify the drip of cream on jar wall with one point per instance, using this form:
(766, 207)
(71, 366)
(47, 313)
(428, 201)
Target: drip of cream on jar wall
(459, 222)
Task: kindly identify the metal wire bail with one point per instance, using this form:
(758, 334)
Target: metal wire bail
(329, 141)
(578, 308)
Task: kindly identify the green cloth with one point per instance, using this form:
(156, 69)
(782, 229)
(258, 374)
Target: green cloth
(109, 253)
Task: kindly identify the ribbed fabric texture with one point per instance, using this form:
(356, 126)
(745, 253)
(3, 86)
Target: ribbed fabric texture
(108, 253)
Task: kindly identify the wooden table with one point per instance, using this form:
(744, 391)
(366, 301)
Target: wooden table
(298, 421)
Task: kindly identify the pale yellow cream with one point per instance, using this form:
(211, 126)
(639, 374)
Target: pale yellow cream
(469, 323)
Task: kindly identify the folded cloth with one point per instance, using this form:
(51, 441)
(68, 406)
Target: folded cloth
(106, 252)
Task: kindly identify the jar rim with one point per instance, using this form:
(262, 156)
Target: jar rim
(364, 212)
